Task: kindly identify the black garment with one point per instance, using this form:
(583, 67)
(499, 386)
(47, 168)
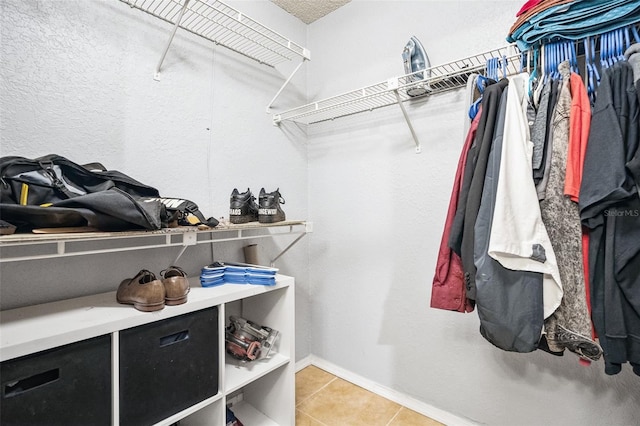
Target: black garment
(479, 157)
(455, 236)
(622, 285)
(509, 302)
(605, 179)
(610, 207)
(634, 164)
(541, 175)
(539, 169)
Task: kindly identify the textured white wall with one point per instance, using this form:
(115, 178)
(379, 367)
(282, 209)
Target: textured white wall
(76, 79)
(378, 210)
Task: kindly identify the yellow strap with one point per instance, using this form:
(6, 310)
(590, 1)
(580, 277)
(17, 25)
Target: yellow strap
(24, 194)
(192, 219)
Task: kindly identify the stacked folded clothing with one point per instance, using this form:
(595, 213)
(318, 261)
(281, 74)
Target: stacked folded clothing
(547, 20)
(237, 273)
(212, 275)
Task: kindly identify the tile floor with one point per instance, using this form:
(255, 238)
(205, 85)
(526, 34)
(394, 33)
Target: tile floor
(323, 399)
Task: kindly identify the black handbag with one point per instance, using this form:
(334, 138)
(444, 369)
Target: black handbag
(53, 191)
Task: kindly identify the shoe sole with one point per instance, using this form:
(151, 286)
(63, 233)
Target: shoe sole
(271, 219)
(237, 220)
(145, 307)
(178, 301)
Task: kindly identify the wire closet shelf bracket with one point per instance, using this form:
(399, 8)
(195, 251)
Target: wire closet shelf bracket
(437, 79)
(223, 25)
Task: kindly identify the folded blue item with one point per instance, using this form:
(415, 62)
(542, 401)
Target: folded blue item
(211, 282)
(237, 273)
(235, 278)
(576, 20)
(260, 280)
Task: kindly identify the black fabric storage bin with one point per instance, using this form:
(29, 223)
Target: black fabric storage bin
(167, 366)
(67, 386)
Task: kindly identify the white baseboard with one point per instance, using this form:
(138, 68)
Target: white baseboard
(304, 362)
(405, 400)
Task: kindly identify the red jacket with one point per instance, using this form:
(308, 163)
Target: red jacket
(448, 291)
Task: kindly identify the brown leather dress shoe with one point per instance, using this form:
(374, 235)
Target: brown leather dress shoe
(144, 291)
(176, 285)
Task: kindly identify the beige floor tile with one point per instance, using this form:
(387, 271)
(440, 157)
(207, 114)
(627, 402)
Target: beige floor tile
(304, 420)
(309, 380)
(342, 403)
(407, 417)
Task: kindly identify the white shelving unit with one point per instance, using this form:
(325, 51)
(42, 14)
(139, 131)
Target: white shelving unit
(223, 25)
(267, 386)
(437, 79)
(22, 247)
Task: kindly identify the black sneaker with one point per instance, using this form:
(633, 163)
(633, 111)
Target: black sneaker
(270, 210)
(242, 207)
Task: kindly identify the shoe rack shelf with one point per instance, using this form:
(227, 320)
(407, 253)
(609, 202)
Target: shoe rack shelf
(23, 247)
(263, 389)
(433, 80)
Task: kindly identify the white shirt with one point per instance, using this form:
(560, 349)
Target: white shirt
(517, 230)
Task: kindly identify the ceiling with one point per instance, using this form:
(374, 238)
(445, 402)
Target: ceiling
(310, 10)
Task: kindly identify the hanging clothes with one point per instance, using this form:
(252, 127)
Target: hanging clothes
(448, 290)
(539, 134)
(509, 302)
(610, 207)
(484, 141)
(579, 127)
(472, 93)
(569, 327)
(633, 56)
(519, 239)
(541, 174)
(461, 238)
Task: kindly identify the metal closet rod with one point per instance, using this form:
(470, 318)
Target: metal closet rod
(441, 78)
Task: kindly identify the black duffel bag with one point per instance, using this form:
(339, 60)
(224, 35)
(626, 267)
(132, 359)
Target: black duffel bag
(52, 191)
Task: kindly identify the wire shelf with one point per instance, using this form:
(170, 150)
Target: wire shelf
(438, 79)
(217, 22)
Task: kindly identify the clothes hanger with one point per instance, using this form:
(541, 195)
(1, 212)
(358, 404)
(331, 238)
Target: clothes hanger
(540, 63)
(492, 69)
(574, 57)
(533, 73)
(555, 56)
(588, 67)
(481, 83)
(566, 57)
(634, 29)
(613, 57)
(603, 50)
(627, 40)
(594, 66)
(617, 45)
(621, 45)
(504, 66)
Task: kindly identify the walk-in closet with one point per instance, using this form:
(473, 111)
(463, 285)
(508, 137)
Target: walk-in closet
(319, 212)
